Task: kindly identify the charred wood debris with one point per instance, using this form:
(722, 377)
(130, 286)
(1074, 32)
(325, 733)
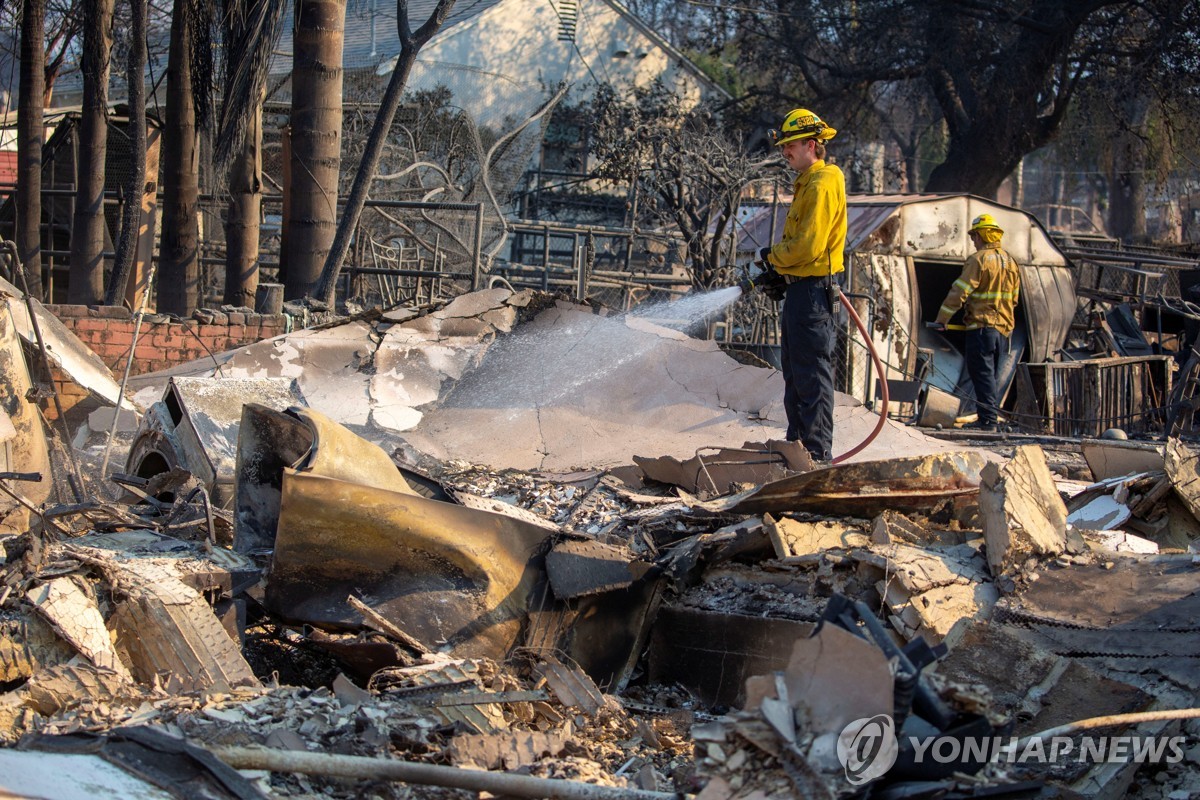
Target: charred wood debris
(365, 623)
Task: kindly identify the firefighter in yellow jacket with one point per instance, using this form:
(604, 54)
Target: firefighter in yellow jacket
(989, 286)
(809, 257)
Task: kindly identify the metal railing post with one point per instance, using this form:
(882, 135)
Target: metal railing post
(478, 246)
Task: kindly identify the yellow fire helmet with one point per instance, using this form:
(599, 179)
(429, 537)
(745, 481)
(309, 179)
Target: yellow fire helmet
(985, 222)
(801, 124)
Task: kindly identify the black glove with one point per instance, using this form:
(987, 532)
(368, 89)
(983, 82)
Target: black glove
(773, 285)
(762, 257)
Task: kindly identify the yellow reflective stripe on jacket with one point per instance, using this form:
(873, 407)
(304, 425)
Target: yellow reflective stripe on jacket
(989, 287)
(814, 235)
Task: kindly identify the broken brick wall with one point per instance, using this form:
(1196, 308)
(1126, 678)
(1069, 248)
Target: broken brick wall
(161, 342)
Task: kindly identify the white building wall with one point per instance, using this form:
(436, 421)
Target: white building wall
(515, 44)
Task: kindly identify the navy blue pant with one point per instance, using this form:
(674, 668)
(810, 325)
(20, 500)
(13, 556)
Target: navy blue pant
(807, 359)
(985, 349)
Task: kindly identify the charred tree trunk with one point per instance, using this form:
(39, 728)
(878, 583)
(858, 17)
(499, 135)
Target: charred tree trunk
(29, 143)
(316, 141)
(86, 286)
(1127, 175)
(410, 45)
(135, 185)
(978, 164)
(251, 30)
(993, 115)
(242, 218)
(179, 263)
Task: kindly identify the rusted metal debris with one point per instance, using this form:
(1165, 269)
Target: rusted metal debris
(720, 470)
(869, 488)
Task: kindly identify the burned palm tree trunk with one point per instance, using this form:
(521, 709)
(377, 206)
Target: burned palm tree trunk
(135, 185)
(252, 28)
(29, 143)
(316, 140)
(410, 45)
(86, 286)
(179, 262)
(242, 218)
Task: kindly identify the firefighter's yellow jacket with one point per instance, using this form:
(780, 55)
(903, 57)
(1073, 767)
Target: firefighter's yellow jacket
(814, 234)
(990, 286)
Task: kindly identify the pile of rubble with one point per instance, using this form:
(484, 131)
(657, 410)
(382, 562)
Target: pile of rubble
(280, 602)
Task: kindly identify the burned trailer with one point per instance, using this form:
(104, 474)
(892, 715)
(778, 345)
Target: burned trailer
(903, 254)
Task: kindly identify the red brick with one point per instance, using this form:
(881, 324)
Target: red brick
(117, 338)
(88, 324)
(111, 312)
(147, 352)
(65, 311)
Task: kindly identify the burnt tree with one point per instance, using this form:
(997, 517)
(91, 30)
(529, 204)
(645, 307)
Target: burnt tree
(29, 143)
(179, 248)
(411, 43)
(86, 285)
(316, 142)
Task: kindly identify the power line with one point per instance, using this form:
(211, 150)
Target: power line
(747, 9)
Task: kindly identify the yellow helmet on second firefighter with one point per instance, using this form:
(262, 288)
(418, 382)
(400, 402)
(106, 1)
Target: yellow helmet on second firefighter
(801, 124)
(984, 222)
(984, 226)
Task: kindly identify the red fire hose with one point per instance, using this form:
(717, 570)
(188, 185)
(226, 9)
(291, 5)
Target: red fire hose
(883, 387)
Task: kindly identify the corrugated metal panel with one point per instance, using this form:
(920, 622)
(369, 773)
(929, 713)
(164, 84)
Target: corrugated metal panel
(868, 229)
(755, 231)
(1049, 302)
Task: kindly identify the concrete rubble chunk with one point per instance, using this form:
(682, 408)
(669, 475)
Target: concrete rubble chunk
(166, 628)
(474, 304)
(65, 686)
(892, 526)
(794, 538)
(1023, 514)
(1184, 472)
(931, 592)
(1120, 542)
(76, 617)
